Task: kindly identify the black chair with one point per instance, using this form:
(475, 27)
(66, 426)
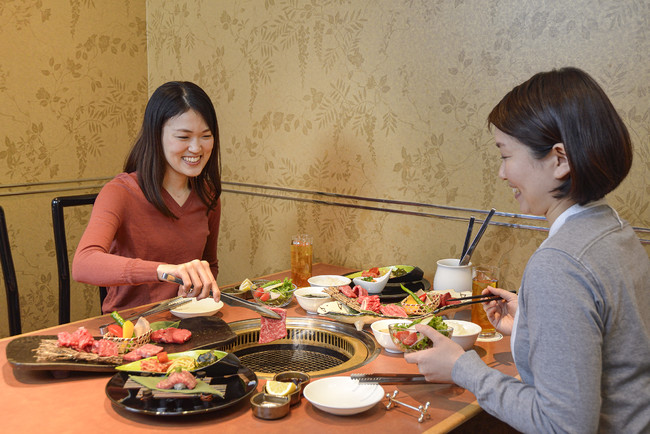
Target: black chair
(9, 274)
(61, 247)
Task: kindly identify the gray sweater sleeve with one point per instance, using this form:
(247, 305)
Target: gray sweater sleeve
(562, 367)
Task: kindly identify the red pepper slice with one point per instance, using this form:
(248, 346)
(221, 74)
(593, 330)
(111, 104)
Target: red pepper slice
(162, 357)
(115, 330)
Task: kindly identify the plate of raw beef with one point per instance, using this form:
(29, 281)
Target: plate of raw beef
(206, 332)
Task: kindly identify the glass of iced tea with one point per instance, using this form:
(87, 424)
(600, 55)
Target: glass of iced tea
(482, 277)
(301, 257)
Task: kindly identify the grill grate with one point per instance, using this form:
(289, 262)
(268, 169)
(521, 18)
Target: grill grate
(275, 360)
(317, 347)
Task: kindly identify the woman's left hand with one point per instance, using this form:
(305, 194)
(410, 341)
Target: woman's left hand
(436, 363)
(197, 277)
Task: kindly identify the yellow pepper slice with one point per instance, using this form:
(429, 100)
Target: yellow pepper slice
(127, 329)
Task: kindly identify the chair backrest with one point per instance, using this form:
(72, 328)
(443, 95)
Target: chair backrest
(61, 247)
(9, 274)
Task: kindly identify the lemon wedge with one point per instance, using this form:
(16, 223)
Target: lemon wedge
(245, 285)
(280, 388)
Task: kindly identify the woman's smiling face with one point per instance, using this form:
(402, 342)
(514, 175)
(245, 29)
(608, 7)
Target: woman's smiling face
(187, 143)
(532, 180)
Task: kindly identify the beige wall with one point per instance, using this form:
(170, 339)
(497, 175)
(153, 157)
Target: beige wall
(379, 99)
(386, 99)
(73, 84)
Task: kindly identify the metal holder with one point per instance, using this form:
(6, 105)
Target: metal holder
(421, 409)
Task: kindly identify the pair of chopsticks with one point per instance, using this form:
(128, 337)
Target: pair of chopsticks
(473, 299)
(387, 378)
(467, 251)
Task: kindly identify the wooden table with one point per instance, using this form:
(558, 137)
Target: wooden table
(35, 401)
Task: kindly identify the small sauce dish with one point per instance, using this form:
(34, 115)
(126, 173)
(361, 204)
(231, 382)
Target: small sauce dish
(270, 407)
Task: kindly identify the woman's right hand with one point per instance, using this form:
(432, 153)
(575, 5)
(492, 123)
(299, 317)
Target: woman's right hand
(197, 277)
(501, 313)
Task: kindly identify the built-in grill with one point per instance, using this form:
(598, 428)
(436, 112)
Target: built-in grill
(315, 346)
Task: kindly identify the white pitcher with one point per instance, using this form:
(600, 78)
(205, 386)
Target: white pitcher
(450, 275)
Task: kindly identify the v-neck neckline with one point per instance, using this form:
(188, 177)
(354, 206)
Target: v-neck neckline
(177, 207)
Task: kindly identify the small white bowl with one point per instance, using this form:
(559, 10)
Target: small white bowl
(380, 331)
(327, 280)
(311, 304)
(342, 395)
(377, 285)
(465, 332)
(203, 307)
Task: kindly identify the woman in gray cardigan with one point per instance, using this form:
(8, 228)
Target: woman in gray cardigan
(580, 324)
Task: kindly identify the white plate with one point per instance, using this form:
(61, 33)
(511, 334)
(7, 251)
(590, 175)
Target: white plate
(342, 395)
(205, 307)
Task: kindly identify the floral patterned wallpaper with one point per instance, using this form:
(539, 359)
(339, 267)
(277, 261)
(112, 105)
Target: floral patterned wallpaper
(73, 84)
(388, 100)
(320, 104)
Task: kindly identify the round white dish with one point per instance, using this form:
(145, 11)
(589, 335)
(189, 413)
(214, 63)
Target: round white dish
(465, 332)
(342, 396)
(380, 332)
(204, 307)
(311, 304)
(326, 280)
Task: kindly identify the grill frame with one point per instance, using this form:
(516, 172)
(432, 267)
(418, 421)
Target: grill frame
(313, 337)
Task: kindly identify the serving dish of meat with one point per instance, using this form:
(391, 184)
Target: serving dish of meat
(206, 332)
(235, 388)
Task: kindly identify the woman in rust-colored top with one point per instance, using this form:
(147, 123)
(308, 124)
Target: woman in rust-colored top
(162, 214)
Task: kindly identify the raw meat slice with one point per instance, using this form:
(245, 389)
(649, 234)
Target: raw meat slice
(444, 300)
(171, 335)
(132, 356)
(373, 272)
(80, 340)
(272, 329)
(182, 377)
(347, 291)
(180, 336)
(360, 291)
(370, 302)
(393, 310)
(153, 365)
(147, 350)
(106, 348)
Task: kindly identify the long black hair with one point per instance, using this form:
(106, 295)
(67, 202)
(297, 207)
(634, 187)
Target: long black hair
(147, 157)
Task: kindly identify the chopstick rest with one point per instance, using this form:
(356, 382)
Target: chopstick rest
(422, 409)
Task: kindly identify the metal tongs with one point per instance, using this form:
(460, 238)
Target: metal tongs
(231, 300)
(384, 378)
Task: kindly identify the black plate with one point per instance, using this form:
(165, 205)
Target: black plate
(207, 332)
(238, 388)
(393, 292)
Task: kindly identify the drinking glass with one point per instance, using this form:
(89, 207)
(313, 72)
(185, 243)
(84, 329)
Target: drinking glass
(301, 258)
(483, 276)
